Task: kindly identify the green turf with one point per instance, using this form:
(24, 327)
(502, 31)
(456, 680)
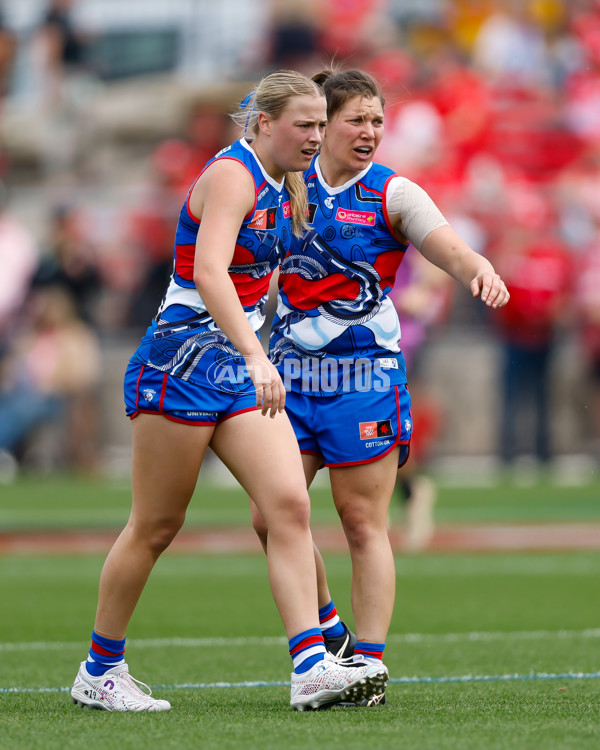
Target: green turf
(488, 619)
(459, 616)
(58, 502)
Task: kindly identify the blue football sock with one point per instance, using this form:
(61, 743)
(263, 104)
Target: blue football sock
(104, 654)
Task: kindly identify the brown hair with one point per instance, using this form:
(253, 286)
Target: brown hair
(271, 97)
(342, 85)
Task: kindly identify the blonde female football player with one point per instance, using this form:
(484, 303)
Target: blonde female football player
(200, 377)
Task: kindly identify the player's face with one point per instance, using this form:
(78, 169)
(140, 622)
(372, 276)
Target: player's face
(296, 136)
(354, 133)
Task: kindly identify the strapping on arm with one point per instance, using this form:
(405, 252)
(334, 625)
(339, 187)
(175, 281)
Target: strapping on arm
(418, 214)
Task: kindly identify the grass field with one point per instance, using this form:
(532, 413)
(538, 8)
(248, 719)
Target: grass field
(485, 651)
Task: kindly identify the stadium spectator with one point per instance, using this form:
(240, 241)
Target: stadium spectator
(70, 261)
(19, 257)
(61, 50)
(200, 377)
(336, 337)
(294, 37)
(587, 303)
(48, 377)
(537, 266)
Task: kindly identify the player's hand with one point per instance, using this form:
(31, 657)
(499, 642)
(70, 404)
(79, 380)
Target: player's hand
(270, 392)
(490, 287)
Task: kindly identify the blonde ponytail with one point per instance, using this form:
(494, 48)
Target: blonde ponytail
(294, 182)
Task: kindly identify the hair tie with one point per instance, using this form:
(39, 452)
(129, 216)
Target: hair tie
(244, 104)
(246, 101)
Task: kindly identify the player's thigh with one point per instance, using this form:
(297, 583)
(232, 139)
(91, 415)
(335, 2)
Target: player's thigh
(364, 491)
(167, 456)
(263, 455)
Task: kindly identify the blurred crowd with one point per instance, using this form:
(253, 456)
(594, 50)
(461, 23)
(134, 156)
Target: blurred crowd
(493, 107)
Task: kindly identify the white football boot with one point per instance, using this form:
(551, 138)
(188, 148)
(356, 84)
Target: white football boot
(328, 682)
(115, 690)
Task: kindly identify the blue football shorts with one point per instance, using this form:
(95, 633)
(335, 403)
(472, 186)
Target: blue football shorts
(150, 391)
(352, 428)
(190, 376)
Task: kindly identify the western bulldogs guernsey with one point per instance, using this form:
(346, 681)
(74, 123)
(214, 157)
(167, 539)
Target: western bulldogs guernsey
(333, 309)
(184, 340)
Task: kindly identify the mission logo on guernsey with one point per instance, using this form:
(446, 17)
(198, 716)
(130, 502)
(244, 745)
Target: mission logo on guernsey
(355, 217)
(370, 430)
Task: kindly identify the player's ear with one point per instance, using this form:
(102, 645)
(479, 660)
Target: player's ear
(264, 123)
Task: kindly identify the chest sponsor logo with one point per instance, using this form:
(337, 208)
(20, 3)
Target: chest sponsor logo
(328, 202)
(287, 210)
(367, 218)
(374, 430)
(264, 218)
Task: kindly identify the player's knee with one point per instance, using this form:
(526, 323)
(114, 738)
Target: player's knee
(291, 510)
(359, 529)
(159, 534)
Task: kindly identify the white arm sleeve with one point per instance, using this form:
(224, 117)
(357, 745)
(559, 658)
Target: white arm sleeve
(418, 213)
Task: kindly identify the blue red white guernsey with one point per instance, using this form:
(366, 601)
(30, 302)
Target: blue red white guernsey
(184, 341)
(258, 251)
(336, 330)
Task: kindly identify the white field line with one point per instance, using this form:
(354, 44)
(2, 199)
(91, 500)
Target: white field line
(428, 638)
(467, 678)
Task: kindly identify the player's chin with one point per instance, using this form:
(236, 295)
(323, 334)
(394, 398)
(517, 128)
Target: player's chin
(306, 156)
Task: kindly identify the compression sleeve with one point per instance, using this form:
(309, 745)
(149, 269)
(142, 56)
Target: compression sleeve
(419, 214)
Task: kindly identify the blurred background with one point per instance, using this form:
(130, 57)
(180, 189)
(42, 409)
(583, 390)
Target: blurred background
(108, 110)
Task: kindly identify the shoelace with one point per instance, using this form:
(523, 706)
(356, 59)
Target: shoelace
(135, 688)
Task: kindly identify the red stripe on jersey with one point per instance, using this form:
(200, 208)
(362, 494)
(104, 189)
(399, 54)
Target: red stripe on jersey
(184, 261)
(189, 195)
(387, 265)
(249, 290)
(306, 643)
(307, 295)
(241, 255)
(370, 190)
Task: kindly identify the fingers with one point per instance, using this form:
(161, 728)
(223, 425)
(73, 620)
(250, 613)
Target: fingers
(273, 399)
(270, 391)
(491, 289)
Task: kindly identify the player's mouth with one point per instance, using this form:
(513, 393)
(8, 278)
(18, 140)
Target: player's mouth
(364, 152)
(310, 152)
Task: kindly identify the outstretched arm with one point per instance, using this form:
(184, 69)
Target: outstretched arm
(445, 249)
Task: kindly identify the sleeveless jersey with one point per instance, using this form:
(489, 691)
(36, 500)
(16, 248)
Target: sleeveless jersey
(333, 303)
(184, 340)
(258, 251)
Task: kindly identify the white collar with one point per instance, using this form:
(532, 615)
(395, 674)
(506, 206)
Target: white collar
(341, 188)
(277, 185)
